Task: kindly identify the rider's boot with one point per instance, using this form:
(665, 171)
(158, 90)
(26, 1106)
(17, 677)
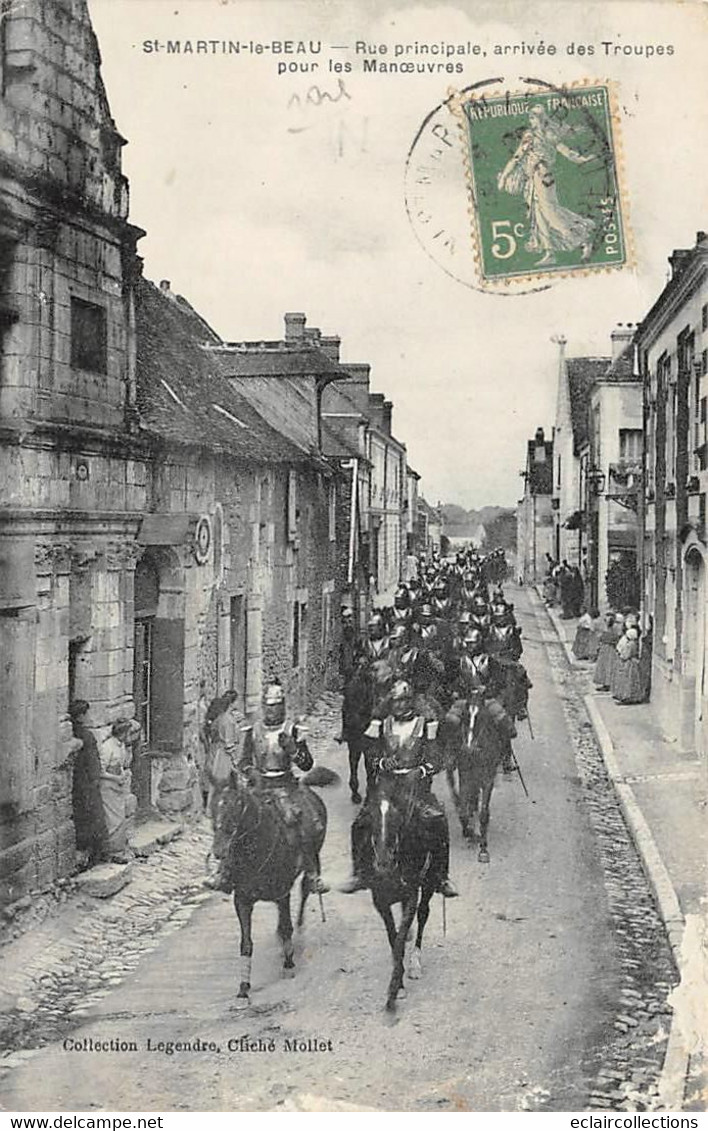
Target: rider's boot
(311, 869)
(440, 837)
(360, 841)
(508, 758)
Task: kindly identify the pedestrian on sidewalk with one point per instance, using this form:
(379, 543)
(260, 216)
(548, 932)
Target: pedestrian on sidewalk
(605, 654)
(114, 783)
(587, 642)
(87, 806)
(626, 683)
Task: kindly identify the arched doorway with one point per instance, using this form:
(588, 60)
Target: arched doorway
(695, 677)
(158, 662)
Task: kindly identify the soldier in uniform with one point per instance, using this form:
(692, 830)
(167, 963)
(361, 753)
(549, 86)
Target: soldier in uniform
(480, 617)
(401, 613)
(406, 745)
(376, 645)
(270, 749)
(425, 627)
(504, 638)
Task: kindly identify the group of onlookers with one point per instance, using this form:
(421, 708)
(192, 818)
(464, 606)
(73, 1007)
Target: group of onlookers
(102, 801)
(564, 586)
(621, 656)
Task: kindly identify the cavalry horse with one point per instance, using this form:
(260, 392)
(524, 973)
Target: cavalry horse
(264, 860)
(401, 871)
(478, 754)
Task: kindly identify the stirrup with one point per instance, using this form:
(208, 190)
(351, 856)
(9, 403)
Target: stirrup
(354, 883)
(317, 885)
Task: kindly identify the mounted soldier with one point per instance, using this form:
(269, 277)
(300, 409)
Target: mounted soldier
(425, 628)
(271, 748)
(376, 644)
(402, 612)
(408, 759)
(480, 616)
(504, 638)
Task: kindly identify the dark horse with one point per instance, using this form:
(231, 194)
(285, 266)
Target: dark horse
(264, 860)
(401, 871)
(478, 755)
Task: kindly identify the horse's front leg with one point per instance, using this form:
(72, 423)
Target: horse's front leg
(384, 910)
(244, 910)
(415, 967)
(285, 932)
(483, 855)
(467, 796)
(354, 756)
(399, 949)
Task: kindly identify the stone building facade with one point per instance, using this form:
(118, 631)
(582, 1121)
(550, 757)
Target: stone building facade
(611, 468)
(534, 527)
(672, 344)
(71, 484)
(159, 538)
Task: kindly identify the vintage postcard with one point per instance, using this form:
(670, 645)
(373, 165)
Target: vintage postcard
(353, 598)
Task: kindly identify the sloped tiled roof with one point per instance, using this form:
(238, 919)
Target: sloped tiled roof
(183, 398)
(284, 361)
(582, 374)
(622, 368)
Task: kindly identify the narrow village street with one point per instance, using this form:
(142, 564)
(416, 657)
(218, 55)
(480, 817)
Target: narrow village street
(547, 991)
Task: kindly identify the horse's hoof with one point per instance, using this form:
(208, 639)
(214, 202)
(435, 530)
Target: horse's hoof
(289, 963)
(483, 856)
(243, 997)
(415, 968)
(356, 797)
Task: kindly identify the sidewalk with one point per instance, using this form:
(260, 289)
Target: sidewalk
(663, 793)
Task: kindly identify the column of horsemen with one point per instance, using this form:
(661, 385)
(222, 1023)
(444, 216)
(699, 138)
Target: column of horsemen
(435, 675)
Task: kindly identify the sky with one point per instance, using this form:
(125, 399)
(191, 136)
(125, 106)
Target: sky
(262, 193)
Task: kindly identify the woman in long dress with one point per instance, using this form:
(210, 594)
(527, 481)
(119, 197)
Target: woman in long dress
(627, 683)
(531, 173)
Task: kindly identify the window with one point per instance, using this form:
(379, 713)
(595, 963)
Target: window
(704, 317)
(88, 336)
(332, 500)
(292, 511)
(327, 594)
(299, 632)
(630, 445)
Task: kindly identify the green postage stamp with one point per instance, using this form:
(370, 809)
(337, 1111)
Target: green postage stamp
(545, 181)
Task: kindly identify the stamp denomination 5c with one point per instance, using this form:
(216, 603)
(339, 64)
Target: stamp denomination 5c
(545, 182)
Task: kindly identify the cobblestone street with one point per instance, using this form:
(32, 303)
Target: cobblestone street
(548, 991)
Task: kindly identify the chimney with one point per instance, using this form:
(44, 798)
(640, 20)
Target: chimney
(330, 345)
(539, 451)
(387, 417)
(312, 334)
(620, 337)
(295, 327)
(165, 286)
(677, 261)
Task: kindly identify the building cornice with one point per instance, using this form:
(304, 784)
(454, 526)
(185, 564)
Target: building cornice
(674, 296)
